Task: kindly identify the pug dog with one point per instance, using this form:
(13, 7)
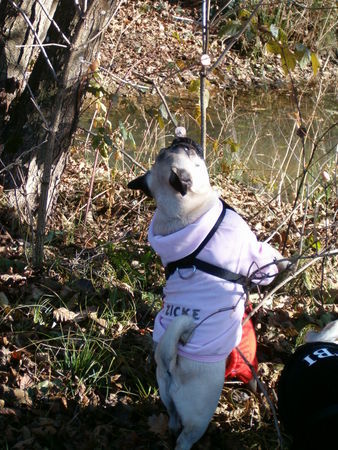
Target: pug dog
(308, 391)
(210, 254)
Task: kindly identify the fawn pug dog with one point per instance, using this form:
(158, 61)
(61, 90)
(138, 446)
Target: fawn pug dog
(208, 250)
(308, 391)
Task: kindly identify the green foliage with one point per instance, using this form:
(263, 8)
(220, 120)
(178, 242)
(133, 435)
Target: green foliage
(313, 243)
(162, 116)
(234, 146)
(230, 28)
(194, 88)
(163, 111)
(102, 131)
(87, 359)
(145, 391)
(278, 45)
(134, 272)
(176, 36)
(276, 30)
(41, 310)
(54, 236)
(127, 135)
(315, 63)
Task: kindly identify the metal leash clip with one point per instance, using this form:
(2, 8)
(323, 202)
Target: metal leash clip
(187, 276)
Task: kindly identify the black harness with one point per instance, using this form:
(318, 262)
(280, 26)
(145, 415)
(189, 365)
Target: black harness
(191, 261)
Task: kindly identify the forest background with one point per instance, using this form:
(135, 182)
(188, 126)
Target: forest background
(89, 92)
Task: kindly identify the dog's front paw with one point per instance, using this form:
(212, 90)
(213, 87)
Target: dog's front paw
(281, 261)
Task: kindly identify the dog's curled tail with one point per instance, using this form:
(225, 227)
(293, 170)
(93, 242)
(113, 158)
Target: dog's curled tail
(179, 330)
(328, 334)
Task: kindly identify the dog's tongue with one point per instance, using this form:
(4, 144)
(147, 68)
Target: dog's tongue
(183, 242)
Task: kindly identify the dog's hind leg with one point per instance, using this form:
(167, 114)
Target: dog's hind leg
(196, 400)
(189, 435)
(166, 357)
(164, 382)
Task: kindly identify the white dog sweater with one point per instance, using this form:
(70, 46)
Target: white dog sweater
(234, 247)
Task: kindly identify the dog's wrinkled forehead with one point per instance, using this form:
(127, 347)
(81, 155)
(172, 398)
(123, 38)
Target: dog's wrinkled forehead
(179, 145)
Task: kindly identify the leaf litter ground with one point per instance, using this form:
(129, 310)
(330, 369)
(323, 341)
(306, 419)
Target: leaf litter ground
(160, 41)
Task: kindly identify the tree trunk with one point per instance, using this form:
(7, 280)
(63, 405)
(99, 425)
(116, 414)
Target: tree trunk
(17, 45)
(39, 121)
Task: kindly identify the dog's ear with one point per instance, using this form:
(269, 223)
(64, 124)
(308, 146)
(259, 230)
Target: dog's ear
(180, 180)
(140, 183)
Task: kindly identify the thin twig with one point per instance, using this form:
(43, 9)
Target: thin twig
(172, 117)
(64, 37)
(316, 144)
(218, 14)
(102, 29)
(286, 280)
(42, 45)
(138, 87)
(18, 160)
(266, 395)
(26, 19)
(186, 19)
(288, 216)
(302, 233)
(234, 39)
(32, 99)
(326, 242)
(302, 180)
(133, 160)
(89, 201)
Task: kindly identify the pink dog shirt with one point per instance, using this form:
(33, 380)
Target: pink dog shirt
(234, 247)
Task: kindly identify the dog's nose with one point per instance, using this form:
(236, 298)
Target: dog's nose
(180, 180)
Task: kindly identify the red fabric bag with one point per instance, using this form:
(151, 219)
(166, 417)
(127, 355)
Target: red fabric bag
(236, 366)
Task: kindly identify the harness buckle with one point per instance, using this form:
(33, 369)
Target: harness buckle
(187, 276)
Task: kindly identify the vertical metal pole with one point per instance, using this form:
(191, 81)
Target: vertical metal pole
(203, 72)
(203, 112)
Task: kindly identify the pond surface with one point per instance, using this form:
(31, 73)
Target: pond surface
(252, 135)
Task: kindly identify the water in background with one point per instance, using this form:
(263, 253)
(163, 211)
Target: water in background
(252, 135)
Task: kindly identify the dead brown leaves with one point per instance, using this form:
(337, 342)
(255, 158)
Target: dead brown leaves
(65, 315)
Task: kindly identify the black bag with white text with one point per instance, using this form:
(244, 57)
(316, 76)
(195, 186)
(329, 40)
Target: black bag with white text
(308, 396)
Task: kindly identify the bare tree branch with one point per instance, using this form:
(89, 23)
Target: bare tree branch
(54, 23)
(267, 297)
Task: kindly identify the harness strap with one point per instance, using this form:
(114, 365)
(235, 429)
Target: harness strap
(195, 263)
(209, 235)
